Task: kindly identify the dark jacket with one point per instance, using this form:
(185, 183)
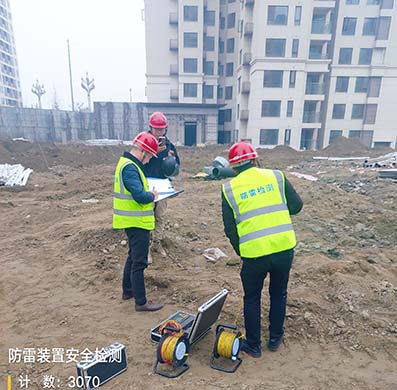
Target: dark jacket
(132, 181)
(153, 168)
(294, 204)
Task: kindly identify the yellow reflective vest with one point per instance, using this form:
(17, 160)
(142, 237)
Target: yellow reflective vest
(257, 198)
(126, 211)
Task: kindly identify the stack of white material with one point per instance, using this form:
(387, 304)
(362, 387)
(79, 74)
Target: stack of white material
(14, 175)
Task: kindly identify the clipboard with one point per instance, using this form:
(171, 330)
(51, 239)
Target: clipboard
(164, 188)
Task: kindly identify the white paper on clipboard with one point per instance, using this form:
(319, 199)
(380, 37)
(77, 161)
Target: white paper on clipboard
(164, 188)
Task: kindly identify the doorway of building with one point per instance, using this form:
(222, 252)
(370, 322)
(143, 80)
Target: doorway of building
(190, 133)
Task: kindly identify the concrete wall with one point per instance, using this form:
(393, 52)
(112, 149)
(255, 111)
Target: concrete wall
(122, 121)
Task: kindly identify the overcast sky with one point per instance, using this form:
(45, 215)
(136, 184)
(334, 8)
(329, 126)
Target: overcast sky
(106, 39)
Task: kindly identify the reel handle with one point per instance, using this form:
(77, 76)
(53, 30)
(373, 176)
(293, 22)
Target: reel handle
(171, 328)
(232, 327)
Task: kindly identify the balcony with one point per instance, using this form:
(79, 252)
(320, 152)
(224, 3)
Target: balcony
(311, 116)
(316, 55)
(248, 29)
(249, 3)
(174, 94)
(173, 69)
(173, 18)
(244, 114)
(174, 44)
(314, 88)
(247, 57)
(245, 87)
(319, 27)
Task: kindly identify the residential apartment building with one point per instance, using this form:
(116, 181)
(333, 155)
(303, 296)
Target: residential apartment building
(10, 89)
(299, 73)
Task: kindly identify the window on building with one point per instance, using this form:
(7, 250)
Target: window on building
(228, 115)
(271, 108)
(190, 90)
(208, 91)
(190, 65)
(231, 1)
(345, 55)
(287, 136)
(298, 15)
(365, 56)
(370, 114)
(373, 2)
(221, 46)
(268, 137)
(387, 4)
(369, 26)
(352, 2)
(295, 48)
(292, 78)
(378, 55)
(383, 27)
(231, 20)
(208, 68)
(275, 47)
(273, 79)
(220, 69)
(228, 93)
(334, 134)
(290, 108)
(361, 84)
(190, 39)
(277, 15)
(349, 26)
(222, 21)
(209, 18)
(239, 84)
(229, 69)
(220, 92)
(338, 111)
(374, 86)
(240, 57)
(358, 111)
(209, 43)
(342, 84)
(230, 45)
(190, 13)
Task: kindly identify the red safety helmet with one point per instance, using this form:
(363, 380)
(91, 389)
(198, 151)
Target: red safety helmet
(240, 153)
(147, 142)
(158, 120)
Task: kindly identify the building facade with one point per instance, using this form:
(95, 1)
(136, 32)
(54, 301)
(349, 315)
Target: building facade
(299, 73)
(10, 89)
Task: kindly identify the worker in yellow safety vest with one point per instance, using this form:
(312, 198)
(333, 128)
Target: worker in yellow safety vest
(256, 209)
(133, 205)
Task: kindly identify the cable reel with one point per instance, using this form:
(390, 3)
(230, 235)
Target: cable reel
(172, 350)
(227, 345)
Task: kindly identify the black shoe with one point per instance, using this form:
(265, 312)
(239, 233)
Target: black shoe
(254, 352)
(125, 297)
(274, 343)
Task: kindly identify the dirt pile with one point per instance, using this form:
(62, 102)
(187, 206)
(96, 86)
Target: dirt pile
(345, 147)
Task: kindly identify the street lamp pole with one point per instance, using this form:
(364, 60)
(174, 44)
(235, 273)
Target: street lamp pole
(70, 76)
(39, 91)
(88, 85)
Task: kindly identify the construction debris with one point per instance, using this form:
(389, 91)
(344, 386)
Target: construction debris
(388, 174)
(14, 175)
(303, 176)
(386, 161)
(213, 254)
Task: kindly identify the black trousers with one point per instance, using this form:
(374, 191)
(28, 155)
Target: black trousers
(136, 263)
(253, 274)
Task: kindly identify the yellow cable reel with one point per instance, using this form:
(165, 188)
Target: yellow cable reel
(172, 350)
(227, 346)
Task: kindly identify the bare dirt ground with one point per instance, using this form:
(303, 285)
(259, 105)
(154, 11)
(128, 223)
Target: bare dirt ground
(61, 266)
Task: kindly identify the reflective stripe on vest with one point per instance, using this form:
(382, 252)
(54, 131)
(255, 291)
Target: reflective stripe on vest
(261, 212)
(126, 211)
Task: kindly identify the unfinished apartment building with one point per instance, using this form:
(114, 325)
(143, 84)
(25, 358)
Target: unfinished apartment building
(298, 73)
